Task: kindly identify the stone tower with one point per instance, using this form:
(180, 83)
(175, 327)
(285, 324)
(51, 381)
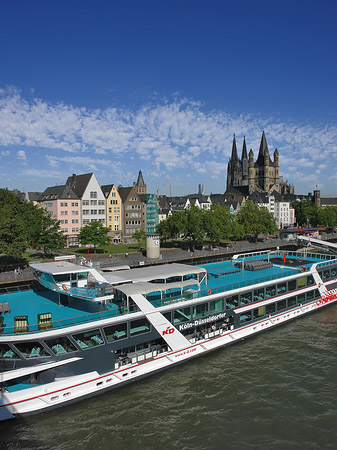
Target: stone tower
(262, 176)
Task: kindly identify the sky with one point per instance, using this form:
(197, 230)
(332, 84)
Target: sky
(118, 86)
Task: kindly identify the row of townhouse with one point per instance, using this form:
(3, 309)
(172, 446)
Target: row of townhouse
(123, 210)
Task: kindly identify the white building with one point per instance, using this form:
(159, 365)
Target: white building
(92, 199)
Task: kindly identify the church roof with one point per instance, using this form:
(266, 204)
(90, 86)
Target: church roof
(244, 149)
(140, 180)
(234, 150)
(262, 151)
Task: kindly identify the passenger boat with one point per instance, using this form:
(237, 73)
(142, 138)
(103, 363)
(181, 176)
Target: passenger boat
(86, 331)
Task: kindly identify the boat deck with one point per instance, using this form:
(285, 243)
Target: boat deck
(221, 276)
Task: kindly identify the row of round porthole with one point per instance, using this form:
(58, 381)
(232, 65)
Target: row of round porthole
(99, 383)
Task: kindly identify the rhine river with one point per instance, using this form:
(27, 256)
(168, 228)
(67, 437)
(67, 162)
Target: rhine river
(277, 390)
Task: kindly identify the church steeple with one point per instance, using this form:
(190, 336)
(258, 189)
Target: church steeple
(141, 186)
(234, 156)
(263, 149)
(244, 149)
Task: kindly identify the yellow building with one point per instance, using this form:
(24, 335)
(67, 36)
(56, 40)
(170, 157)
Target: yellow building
(113, 212)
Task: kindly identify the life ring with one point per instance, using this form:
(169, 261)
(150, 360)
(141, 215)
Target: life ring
(64, 287)
(209, 291)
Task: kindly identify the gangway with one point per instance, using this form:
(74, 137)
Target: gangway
(317, 243)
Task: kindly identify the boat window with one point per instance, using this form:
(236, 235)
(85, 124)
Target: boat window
(88, 339)
(258, 294)
(232, 301)
(258, 312)
(168, 316)
(246, 298)
(191, 276)
(326, 274)
(310, 295)
(310, 280)
(116, 332)
(61, 345)
(62, 277)
(291, 285)
(270, 309)
(216, 306)
(317, 294)
(281, 288)
(173, 279)
(182, 315)
(301, 282)
(160, 281)
(291, 301)
(270, 291)
(245, 317)
(82, 275)
(333, 272)
(7, 353)
(301, 298)
(200, 310)
(281, 305)
(31, 349)
(139, 326)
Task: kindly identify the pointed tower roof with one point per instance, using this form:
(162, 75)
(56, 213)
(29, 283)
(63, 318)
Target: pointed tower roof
(234, 150)
(244, 149)
(140, 180)
(263, 149)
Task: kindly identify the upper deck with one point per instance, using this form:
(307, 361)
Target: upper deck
(77, 295)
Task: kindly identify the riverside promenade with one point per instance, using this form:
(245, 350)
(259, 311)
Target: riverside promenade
(135, 259)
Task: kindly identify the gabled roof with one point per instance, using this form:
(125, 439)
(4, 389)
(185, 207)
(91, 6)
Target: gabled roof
(124, 192)
(59, 192)
(79, 183)
(106, 189)
(34, 196)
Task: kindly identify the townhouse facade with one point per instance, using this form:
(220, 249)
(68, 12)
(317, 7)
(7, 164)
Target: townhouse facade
(64, 205)
(93, 202)
(113, 212)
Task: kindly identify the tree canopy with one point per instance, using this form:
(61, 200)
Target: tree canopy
(23, 225)
(256, 220)
(94, 234)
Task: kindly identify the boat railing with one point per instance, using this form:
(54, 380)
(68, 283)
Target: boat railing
(13, 289)
(72, 321)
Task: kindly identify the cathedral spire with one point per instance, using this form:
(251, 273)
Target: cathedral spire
(234, 156)
(244, 149)
(263, 149)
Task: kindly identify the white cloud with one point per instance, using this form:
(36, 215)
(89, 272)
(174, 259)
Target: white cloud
(165, 137)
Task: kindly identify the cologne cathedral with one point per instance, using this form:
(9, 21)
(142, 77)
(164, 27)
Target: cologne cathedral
(262, 176)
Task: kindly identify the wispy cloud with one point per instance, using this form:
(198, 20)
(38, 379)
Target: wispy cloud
(167, 136)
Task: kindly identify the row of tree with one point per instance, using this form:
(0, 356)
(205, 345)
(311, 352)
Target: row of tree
(307, 213)
(217, 224)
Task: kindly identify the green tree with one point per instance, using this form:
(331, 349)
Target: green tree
(218, 223)
(12, 227)
(140, 237)
(256, 220)
(306, 212)
(94, 234)
(327, 217)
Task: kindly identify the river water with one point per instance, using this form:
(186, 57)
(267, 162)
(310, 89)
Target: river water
(277, 390)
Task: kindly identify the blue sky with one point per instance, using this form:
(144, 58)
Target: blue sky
(162, 85)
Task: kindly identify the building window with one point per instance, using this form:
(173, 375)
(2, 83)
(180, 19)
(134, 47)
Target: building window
(74, 213)
(74, 221)
(64, 204)
(101, 211)
(64, 213)
(116, 227)
(93, 194)
(116, 218)
(74, 204)
(93, 202)
(93, 211)
(85, 202)
(101, 202)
